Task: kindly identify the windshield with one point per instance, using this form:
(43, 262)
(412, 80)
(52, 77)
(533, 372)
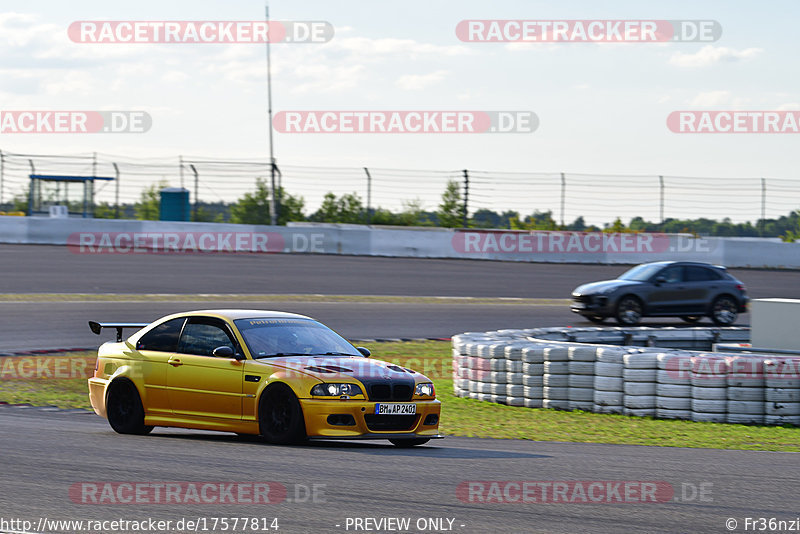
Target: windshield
(642, 273)
(292, 337)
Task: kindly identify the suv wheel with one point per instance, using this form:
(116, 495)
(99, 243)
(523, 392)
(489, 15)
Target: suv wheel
(724, 311)
(629, 311)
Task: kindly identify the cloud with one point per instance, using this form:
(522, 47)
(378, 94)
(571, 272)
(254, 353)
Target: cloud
(710, 55)
(718, 98)
(415, 82)
(366, 47)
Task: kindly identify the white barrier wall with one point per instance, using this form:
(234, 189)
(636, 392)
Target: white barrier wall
(569, 369)
(776, 324)
(85, 235)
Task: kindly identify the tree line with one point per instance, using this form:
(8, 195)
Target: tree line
(254, 208)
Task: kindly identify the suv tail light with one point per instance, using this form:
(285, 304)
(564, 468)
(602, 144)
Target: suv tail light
(741, 288)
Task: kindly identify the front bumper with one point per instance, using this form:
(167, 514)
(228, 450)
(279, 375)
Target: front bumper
(316, 412)
(591, 305)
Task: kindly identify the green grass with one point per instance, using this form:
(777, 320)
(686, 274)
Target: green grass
(61, 392)
(468, 417)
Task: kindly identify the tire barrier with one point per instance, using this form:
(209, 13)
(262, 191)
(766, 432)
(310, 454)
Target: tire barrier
(667, 373)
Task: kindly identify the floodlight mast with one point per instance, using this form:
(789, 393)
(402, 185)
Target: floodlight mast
(273, 215)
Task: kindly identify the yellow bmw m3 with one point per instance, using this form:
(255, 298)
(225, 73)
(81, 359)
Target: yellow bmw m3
(282, 376)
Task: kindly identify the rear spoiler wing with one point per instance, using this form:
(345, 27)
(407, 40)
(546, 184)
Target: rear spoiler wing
(98, 327)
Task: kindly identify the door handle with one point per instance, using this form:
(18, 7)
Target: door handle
(175, 363)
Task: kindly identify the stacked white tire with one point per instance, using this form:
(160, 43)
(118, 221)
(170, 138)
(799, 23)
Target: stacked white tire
(532, 379)
(608, 382)
(497, 377)
(514, 388)
(782, 391)
(639, 375)
(555, 379)
(674, 386)
(746, 390)
(581, 377)
(709, 378)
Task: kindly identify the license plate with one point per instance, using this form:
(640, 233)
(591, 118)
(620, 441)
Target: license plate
(395, 409)
(579, 305)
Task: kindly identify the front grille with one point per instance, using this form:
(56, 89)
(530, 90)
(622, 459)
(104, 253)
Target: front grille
(391, 392)
(390, 423)
(401, 392)
(582, 298)
(380, 392)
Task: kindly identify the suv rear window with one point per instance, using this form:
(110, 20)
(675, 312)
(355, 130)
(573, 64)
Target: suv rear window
(700, 274)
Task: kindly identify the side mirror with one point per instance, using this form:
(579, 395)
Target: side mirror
(364, 351)
(224, 352)
(661, 280)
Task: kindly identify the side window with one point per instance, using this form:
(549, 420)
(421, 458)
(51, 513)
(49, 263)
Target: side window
(202, 336)
(163, 338)
(700, 274)
(672, 274)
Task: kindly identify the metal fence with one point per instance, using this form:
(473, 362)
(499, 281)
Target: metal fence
(598, 198)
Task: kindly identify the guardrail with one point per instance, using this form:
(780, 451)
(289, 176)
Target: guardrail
(643, 372)
(93, 236)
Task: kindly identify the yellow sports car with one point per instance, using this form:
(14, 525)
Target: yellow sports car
(282, 376)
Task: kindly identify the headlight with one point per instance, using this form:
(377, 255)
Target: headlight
(335, 390)
(425, 390)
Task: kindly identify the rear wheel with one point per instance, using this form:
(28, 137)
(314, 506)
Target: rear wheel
(124, 409)
(629, 311)
(406, 443)
(724, 311)
(280, 416)
(691, 318)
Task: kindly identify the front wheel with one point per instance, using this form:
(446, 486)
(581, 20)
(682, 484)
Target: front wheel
(406, 443)
(124, 409)
(280, 416)
(724, 311)
(629, 311)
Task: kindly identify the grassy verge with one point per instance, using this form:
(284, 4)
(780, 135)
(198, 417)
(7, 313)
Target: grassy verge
(468, 417)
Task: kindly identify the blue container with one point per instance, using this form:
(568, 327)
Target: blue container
(174, 204)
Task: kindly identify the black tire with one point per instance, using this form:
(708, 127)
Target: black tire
(406, 443)
(280, 416)
(596, 319)
(724, 311)
(124, 409)
(691, 319)
(629, 311)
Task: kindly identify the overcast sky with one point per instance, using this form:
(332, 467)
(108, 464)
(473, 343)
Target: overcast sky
(602, 107)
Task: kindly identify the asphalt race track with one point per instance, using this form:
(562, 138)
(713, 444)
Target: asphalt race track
(50, 269)
(53, 269)
(45, 453)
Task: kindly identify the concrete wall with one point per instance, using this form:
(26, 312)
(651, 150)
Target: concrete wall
(776, 324)
(124, 236)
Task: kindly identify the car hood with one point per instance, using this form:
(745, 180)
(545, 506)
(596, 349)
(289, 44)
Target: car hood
(604, 286)
(332, 368)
